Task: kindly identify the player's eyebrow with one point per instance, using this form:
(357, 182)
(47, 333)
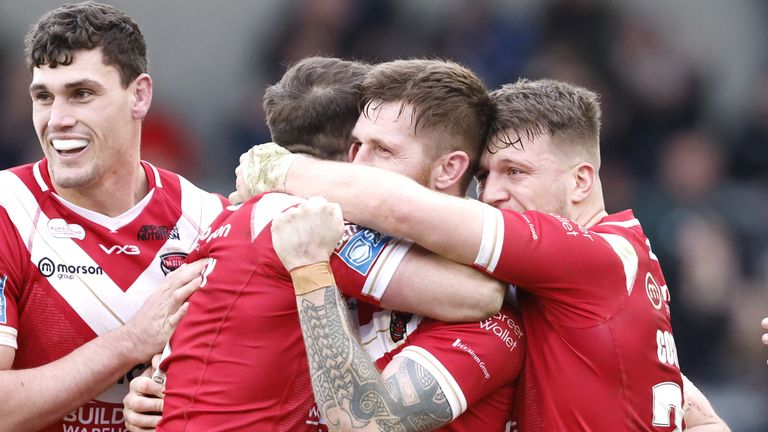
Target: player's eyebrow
(36, 87)
(70, 85)
(84, 83)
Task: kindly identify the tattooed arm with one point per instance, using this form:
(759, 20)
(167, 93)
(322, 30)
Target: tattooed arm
(350, 391)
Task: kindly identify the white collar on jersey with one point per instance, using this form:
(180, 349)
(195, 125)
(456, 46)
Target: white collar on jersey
(111, 223)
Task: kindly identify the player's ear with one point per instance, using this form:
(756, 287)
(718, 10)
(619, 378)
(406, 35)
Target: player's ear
(142, 96)
(353, 148)
(584, 178)
(449, 170)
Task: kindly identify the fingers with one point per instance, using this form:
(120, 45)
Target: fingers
(308, 233)
(155, 363)
(184, 274)
(175, 318)
(183, 292)
(147, 387)
(143, 404)
(765, 323)
(140, 422)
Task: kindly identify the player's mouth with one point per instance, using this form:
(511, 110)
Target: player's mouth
(69, 147)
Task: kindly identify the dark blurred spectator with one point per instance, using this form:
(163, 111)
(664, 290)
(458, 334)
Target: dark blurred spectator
(585, 27)
(662, 88)
(18, 143)
(708, 232)
(750, 149)
(494, 44)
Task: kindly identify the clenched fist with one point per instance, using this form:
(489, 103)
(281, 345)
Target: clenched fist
(307, 234)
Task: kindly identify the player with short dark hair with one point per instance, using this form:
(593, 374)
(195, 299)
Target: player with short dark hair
(84, 297)
(313, 107)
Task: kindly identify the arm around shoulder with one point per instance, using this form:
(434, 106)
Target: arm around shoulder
(429, 285)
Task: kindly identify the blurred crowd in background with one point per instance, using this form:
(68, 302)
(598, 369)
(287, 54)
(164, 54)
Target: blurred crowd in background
(697, 180)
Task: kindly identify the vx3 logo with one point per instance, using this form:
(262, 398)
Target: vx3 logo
(120, 249)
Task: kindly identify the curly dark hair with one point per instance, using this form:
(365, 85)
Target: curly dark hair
(61, 32)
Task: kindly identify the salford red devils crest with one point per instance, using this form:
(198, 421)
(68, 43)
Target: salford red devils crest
(171, 261)
(398, 324)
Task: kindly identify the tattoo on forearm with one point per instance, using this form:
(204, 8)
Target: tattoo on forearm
(347, 383)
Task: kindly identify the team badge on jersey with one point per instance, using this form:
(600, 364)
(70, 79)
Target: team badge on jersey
(398, 325)
(3, 278)
(362, 248)
(171, 261)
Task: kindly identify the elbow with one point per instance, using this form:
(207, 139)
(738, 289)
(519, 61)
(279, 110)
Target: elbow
(493, 300)
(487, 302)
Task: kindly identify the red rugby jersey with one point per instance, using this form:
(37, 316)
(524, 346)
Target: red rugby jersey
(68, 274)
(237, 359)
(601, 355)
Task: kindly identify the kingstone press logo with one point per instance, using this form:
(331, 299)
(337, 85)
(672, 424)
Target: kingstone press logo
(49, 268)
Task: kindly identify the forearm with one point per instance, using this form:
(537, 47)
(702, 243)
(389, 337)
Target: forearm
(432, 286)
(699, 414)
(393, 204)
(42, 395)
(350, 391)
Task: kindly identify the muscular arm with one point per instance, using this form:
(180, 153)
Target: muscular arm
(394, 204)
(433, 286)
(698, 412)
(47, 393)
(350, 391)
(42, 395)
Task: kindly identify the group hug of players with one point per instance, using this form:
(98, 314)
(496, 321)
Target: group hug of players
(530, 308)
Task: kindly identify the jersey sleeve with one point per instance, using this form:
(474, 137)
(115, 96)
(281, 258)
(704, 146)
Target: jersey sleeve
(469, 360)
(12, 268)
(553, 257)
(365, 261)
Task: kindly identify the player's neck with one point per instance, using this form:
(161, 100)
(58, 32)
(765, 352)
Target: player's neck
(591, 211)
(111, 195)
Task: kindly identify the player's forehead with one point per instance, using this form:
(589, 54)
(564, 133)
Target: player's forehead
(386, 124)
(86, 66)
(512, 147)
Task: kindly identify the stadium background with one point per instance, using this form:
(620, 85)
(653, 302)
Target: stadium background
(684, 87)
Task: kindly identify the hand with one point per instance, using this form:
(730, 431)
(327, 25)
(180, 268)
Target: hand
(241, 193)
(307, 234)
(263, 168)
(152, 325)
(143, 405)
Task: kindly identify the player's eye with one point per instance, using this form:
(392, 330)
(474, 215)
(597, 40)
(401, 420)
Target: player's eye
(42, 97)
(82, 93)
